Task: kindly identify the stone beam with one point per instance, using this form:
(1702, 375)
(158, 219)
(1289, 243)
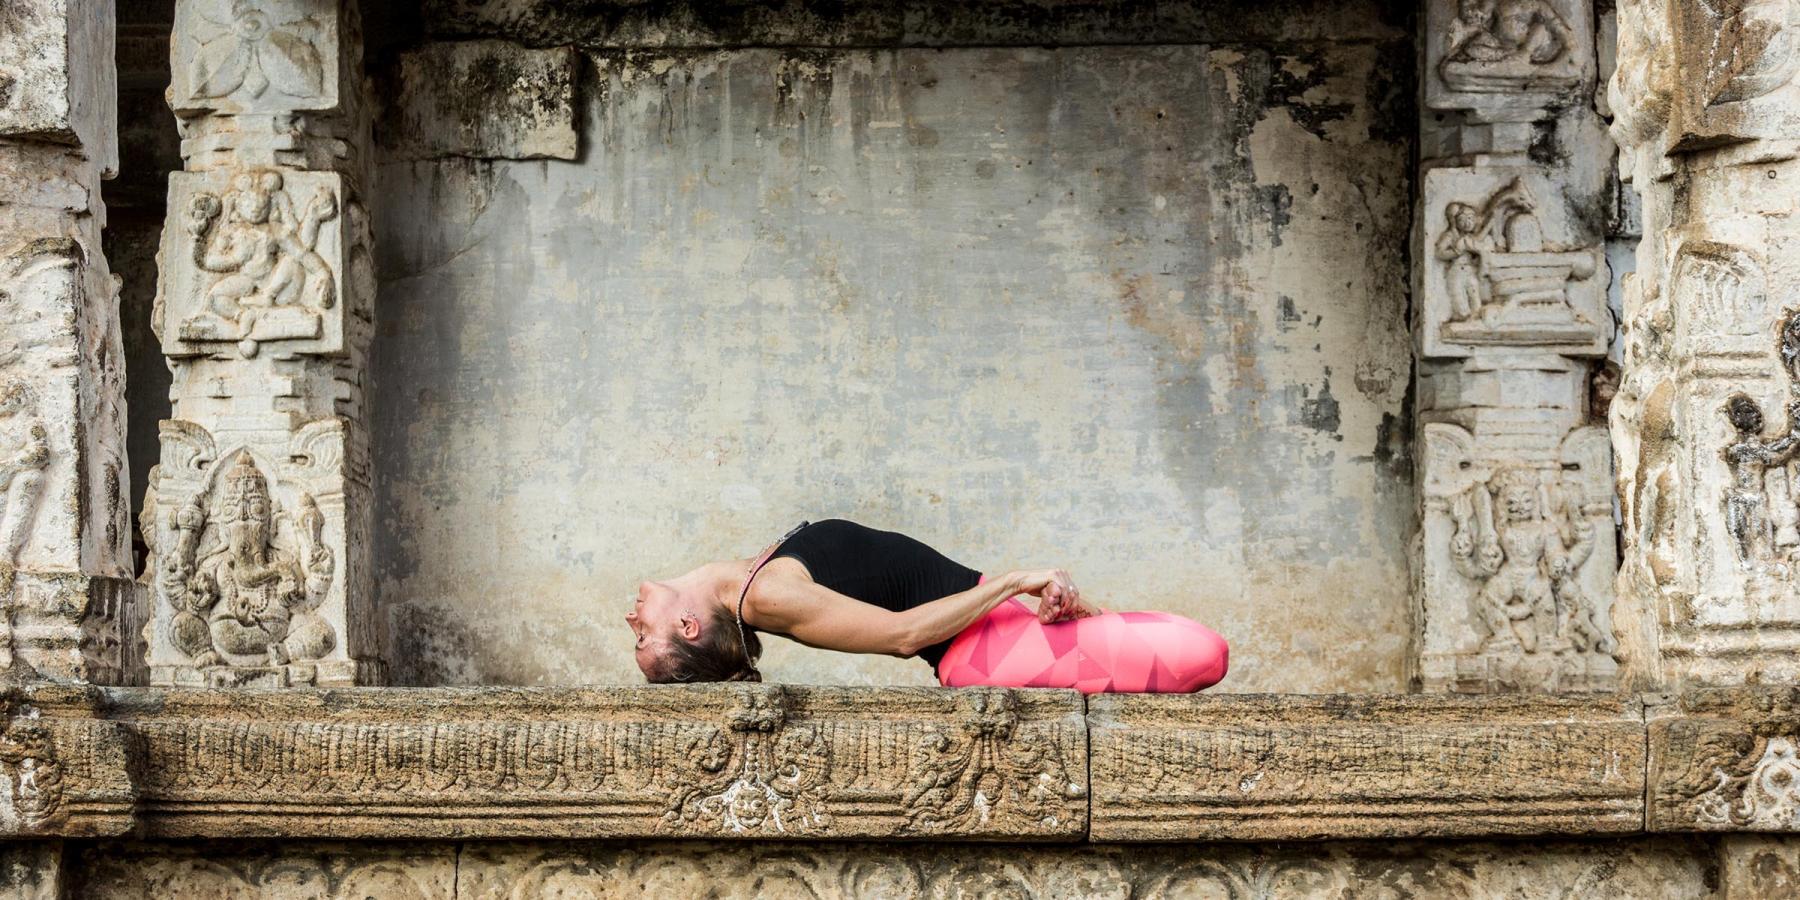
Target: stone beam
(1707, 111)
(1254, 767)
(1516, 556)
(258, 515)
(65, 558)
(773, 762)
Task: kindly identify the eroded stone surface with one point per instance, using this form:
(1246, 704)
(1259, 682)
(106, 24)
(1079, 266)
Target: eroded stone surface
(57, 77)
(1265, 767)
(486, 99)
(510, 871)
(1726, 760)
(744, 762)
(257, 520)
(1705, 424)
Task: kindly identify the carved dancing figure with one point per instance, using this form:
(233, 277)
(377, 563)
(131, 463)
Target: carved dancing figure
(1749, 457)
(1469, 239)
(1527, 32)
(24, 454)
(248, 598)
(843, 586)
(1527, 566)
(264, 253)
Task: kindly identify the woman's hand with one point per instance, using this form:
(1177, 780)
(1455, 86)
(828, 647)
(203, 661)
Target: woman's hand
(1058, 597)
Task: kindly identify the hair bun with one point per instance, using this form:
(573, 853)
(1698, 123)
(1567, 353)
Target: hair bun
(748, 673)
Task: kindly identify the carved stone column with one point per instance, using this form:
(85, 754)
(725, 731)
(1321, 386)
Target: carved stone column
(258, 514)
(1517, 553)
(1708, 119)
(65, 559)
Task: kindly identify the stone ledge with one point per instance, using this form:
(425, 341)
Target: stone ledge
(790, 762)
(1255, 767)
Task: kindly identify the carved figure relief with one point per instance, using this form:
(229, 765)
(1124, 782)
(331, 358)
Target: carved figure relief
(248, 48)
(244, 589)
(24, 454)
(29, 762)
(1509, 45)
(959, 779)
(266, 279)
(1505, 285)
(755, 775)
(1525, 555)
(1757, 500)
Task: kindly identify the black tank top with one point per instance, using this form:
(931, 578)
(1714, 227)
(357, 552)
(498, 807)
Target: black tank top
(883, 568)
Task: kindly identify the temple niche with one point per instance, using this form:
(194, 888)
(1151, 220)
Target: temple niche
(1443, 357)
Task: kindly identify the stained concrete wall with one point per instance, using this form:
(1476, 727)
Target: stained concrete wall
(1136, 311)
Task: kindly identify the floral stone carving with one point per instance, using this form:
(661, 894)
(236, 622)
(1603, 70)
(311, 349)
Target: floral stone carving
(248, 56)
(256, 257)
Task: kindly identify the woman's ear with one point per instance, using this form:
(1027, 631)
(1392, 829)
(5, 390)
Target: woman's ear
(688, 626)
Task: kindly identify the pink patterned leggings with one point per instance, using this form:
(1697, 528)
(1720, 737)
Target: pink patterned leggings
(1125, 652)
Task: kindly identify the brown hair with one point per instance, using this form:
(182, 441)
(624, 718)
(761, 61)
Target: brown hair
(723, 652)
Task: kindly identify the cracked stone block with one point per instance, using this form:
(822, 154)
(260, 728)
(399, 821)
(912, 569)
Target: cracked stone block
(57, 80)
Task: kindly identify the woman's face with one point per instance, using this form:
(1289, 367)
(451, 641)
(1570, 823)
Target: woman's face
(663, 610)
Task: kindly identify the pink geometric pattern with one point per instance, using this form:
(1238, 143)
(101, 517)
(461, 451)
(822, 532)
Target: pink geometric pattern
(1131, 652)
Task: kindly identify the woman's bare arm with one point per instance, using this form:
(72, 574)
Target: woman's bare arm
(820, 617)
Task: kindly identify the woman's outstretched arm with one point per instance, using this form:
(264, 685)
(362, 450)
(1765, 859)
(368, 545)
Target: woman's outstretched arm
(821, 617)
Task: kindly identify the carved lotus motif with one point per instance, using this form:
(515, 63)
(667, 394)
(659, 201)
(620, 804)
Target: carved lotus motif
(250, 51)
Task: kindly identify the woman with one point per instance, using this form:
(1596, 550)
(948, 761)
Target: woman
(842, 586)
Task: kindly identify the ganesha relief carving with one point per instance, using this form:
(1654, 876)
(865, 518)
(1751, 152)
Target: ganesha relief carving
(243, 578)
(258, 260)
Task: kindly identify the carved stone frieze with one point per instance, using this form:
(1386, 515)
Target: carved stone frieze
(257, 258)
(1507, 57)
(1652, 867)
(1505, 270)
(1725, 760)
(1266, 767)
(751, 761)
(268, 56)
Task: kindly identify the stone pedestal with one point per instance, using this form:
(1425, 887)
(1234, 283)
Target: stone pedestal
(258, 515)
(65, 559)
(1708, 119)
(1516, 555)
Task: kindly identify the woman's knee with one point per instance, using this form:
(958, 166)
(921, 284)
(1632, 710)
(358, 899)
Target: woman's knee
(1204, 656)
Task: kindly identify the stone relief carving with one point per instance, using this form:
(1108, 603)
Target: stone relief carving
(1509, 45)
(268, 281)
(1521, 543)
(754, 776)
(1760, 511)
(1757, 791)
(24, 455)
(32, 770)
(246, 52)
(245, 578)
(959, 776)
(1504, 284)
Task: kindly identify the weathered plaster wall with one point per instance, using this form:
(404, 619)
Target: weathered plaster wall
(1137, 311)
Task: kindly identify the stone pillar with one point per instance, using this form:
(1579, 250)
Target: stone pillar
(258, 514)
(1517, 554)
(65, 559)
(1708, 120)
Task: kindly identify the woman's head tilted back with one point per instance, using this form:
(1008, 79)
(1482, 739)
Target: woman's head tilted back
(684, 636)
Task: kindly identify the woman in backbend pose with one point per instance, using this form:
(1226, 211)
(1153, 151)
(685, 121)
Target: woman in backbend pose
(842, 586)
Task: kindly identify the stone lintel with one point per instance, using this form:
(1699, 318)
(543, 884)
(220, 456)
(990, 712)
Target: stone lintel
(1253, 767)
(1724, 759)
(682, 762)
(773, 762)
